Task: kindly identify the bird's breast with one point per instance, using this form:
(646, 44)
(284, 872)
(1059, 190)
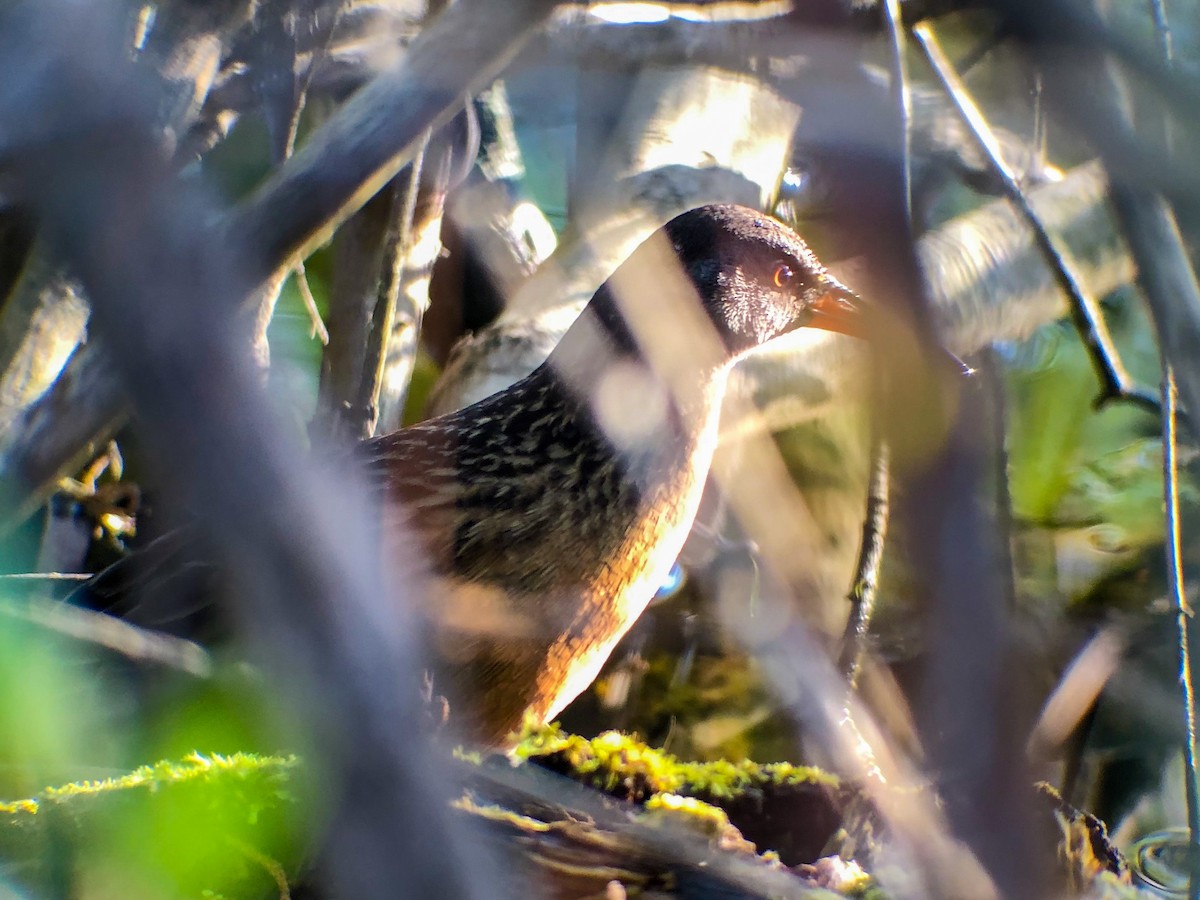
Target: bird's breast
(631, 574)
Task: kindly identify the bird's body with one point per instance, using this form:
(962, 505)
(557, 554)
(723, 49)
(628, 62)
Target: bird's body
(546, 541)
(551, 511)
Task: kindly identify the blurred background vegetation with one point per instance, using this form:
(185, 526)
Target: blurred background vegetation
(145, 753)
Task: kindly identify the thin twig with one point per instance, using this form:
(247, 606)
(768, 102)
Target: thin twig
(45, 576)
(1115, 382)
(1184, 617)
(399, 233)
(318, 329)
(866, 569)
(318, 56)
(1039, 125)
(1175, 580)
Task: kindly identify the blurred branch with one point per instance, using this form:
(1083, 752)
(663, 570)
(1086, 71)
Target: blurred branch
(1167, 280)
(296, 538)
(44, 318)
(58, 433)
(1115, 382)
(100, 630)
(1162, 29)
(185, 43)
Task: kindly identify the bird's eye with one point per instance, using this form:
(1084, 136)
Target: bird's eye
(783, 275)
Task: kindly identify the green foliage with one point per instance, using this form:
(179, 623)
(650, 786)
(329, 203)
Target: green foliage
(1086, 483)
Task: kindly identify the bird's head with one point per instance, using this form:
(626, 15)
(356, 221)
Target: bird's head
(756, 278)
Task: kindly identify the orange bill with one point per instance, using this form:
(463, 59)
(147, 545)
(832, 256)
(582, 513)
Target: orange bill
(838, 309)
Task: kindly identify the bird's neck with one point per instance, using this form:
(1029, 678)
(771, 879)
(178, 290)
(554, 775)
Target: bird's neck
(601, 363)
(655, 426)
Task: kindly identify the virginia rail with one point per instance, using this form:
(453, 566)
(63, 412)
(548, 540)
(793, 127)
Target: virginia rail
(551, 511)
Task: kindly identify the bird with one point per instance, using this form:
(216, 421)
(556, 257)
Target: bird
(550, 512)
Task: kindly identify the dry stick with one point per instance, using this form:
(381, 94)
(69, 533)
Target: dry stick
(1115, 382)
(1183, 618)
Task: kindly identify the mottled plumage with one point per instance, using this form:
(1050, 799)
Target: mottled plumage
(551, 511)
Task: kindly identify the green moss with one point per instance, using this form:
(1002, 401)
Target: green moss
(614, 762)
(693, 814)
(791, 809)
(214, 769)
(221, 824)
